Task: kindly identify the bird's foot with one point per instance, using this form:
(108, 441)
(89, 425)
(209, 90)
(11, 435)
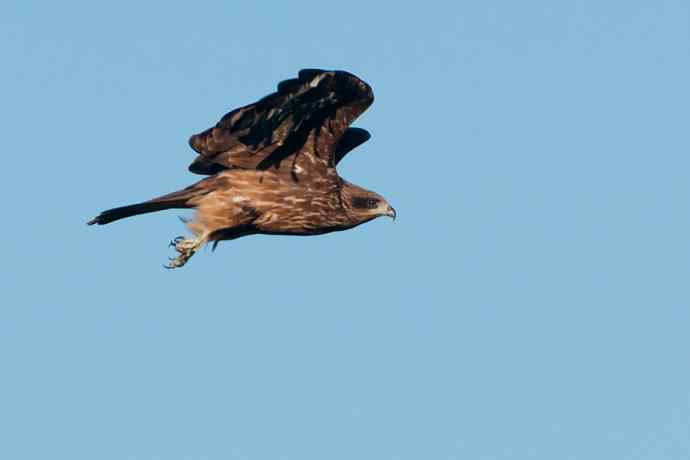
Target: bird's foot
(186, 249)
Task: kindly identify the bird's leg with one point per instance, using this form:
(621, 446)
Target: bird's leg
(186, 247)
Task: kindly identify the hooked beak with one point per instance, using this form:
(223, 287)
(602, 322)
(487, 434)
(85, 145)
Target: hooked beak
(391, 212)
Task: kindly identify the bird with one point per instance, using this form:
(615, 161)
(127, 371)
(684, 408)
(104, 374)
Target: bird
(271, 167)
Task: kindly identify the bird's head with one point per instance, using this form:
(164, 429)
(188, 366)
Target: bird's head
(363, 205)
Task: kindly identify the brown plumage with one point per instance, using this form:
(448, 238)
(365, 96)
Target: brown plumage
(272, 167)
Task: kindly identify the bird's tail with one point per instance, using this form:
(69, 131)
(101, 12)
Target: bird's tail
(175, 200)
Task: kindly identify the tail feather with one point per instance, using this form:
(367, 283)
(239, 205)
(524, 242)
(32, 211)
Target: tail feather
(175, 200)
(114, 214)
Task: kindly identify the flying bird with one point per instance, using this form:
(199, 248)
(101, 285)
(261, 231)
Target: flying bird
(272, 167)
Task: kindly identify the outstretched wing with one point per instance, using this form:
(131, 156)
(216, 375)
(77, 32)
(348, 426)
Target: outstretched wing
(308, 115)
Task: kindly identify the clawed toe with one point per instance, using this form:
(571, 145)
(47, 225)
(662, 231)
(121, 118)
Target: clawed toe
(176, 262)
(175, 241)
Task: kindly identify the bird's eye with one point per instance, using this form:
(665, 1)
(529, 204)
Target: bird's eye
(365, 203)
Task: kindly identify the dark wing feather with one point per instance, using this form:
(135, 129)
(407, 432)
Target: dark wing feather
(351, 139)
(312, 111)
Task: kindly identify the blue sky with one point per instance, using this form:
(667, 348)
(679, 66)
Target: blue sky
(531, 301)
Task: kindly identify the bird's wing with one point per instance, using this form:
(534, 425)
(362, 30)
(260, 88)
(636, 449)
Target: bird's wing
(307, 115)
(351, 139)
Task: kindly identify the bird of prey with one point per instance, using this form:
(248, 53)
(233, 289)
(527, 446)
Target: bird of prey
(272, 167)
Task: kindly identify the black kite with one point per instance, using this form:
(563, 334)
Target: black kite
(272, 167)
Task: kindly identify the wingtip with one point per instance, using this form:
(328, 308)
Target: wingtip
(361, 132)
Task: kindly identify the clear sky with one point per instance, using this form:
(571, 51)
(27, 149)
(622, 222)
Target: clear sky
(532, 301)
